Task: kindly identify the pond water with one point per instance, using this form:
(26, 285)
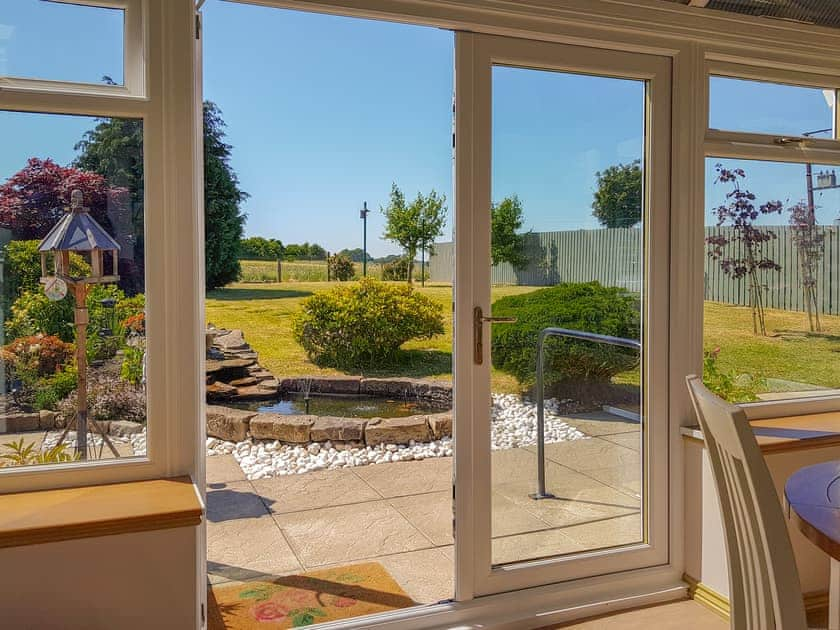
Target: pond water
(343, 406)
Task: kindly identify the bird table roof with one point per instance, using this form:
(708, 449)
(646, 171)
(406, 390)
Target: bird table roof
(78, 231)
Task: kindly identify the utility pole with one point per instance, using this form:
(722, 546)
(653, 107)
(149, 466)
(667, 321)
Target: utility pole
(363, 214)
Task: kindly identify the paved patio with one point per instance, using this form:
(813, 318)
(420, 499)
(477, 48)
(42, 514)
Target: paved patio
(400, 514)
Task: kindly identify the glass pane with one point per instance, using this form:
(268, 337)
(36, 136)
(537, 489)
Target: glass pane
(760, 107)
(772, 311)
(568, 232)
(73, 309)
(61, 42)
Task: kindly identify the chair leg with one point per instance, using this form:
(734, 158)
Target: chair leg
(834, 596)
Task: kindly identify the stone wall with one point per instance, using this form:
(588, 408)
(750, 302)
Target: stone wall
(236, 425)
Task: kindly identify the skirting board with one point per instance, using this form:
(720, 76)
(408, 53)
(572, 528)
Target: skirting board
(719, 604)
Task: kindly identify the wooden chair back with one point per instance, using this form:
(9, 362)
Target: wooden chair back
(764, 589)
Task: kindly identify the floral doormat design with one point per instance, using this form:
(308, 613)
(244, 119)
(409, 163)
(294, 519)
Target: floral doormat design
(295, 601)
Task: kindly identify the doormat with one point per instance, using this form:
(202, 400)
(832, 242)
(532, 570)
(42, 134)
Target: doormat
(295, 601)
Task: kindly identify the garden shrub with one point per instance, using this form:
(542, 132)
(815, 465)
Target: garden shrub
(341, 267)
(395, 270)
(22, 268)
(131, 369)
(51, 390)
(135, 324)
(30, 358)
(364, 324)
(34, 313)
(588, 307)
(109, 399)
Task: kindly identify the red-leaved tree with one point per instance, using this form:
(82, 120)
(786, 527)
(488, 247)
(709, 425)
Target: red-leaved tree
(34, 199)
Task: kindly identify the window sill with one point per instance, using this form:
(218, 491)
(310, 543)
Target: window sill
(789, 433)
(31, 518)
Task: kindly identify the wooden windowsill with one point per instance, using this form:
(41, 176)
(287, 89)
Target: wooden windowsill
(30, 518)
(790, 433)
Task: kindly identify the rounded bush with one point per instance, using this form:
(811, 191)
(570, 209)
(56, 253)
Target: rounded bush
(365, 323)
(587, 307)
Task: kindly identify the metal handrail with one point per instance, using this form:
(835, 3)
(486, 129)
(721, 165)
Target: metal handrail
(574, 334)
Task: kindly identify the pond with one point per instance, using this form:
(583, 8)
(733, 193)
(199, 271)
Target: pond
(343, 406)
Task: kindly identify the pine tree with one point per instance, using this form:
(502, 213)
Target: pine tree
(114, 148)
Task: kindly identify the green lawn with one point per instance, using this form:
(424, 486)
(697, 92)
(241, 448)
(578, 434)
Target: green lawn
(264, 312)
(789, 352)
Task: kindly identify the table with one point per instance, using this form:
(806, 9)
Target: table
(812, 501)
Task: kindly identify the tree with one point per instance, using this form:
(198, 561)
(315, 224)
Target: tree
(356, 255)
(114, 150)
(304, 251)
(618, 200)
(741, 255)
(415, 225)
(809, 240)
(223, 222)
(506, 243)
(260, 248)
(34, 199)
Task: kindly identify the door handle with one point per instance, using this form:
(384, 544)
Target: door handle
(478, 331)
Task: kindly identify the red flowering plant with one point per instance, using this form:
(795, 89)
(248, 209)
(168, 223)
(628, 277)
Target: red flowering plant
(31, 362)
(135, 323)
(37, 355)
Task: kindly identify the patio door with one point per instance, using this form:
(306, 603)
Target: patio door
(562, 173)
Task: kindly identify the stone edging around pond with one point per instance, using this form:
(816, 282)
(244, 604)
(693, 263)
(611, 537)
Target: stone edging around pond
(235, 425)
(44, 420)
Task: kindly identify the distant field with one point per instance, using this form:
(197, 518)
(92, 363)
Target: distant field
(300, 271)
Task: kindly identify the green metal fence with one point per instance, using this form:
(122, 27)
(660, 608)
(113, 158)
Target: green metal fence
(613, 258)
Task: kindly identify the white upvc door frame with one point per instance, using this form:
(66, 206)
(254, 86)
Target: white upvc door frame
(475, 57)
(162, 89)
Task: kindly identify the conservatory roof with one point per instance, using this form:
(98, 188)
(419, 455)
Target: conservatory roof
(821, 12)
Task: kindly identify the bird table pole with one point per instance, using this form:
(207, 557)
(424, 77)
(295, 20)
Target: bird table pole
(81, 321)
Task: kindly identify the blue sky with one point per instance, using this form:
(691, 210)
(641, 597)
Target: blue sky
(326, 112)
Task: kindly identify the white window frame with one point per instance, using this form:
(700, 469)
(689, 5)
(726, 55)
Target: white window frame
(778, 148)
(134, 59)
(161, 46)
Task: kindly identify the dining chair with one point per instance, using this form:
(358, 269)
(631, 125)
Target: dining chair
(764, 589)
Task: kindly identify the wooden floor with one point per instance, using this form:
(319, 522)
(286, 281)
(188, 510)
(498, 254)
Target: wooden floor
(684, 615)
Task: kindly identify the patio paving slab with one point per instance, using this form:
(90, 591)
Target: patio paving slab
(294, 493)
(406, 478)
(232, 501)
(428, 576)
(610, 532)
(601, 423)
(349, 533)
(630, 440)
(589, 501)
(627, 478)
(247, 548)
(589, 454)
(532, 545)
(223, 469)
